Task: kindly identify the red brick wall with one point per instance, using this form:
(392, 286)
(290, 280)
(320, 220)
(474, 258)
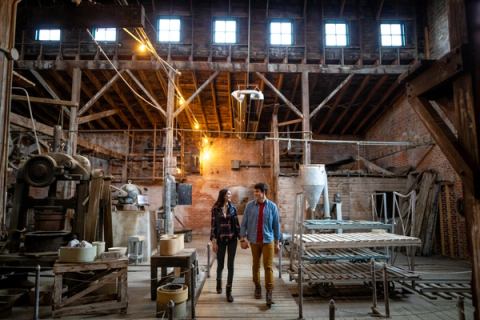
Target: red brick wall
(400, 122)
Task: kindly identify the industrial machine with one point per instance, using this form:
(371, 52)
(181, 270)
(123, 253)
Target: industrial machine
(39, 211)
(314, 182)
(130, 197)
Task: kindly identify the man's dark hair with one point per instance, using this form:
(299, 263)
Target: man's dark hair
(262, 187)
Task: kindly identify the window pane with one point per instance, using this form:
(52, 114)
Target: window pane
(44, 35)
(341, 40)
(330, 40)
(174, 36)
(55, 34)
(231, 26)
(175, 24)
(219, 25)
(386, 40)
(341, 28)
(286, 27)
(219, 37)
(163, 36)
(275, 38)
(397, 40)
(385, 29)
(396, 29)
(230, 37)
(111, 34)
(286, 39)
(329, 28)
(275, 27)
(164, 24)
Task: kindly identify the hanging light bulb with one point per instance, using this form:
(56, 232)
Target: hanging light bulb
(142, 47)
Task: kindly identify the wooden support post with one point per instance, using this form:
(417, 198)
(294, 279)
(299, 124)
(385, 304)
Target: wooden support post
(73, 125)
(154, 166)
(275, 155)
(8, 12)
(306, 118)
(99, 93)
(168, 165)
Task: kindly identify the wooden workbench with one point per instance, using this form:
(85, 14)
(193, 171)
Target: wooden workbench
(79, 299)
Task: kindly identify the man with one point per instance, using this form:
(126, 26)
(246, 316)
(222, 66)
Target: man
(261, 229)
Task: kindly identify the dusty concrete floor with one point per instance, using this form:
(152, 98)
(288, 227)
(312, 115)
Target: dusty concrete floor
(408, 306)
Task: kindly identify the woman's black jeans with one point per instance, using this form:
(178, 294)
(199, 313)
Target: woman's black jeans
(231, 248)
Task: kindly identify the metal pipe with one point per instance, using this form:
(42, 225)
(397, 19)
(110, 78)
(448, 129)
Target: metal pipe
(461, 308)
(357, 142)
(170, 309)
(193, 274)
(374, 284)
(331, 310)
(208, 260)
(37, 292)
(385, 291)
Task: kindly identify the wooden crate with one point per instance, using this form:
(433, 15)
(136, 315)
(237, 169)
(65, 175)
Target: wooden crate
(78, 299)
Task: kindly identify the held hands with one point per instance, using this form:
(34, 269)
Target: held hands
(277, 247)
(244, 244)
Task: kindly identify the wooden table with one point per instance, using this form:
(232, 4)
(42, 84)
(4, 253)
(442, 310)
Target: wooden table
(79, 299)
(184, 260)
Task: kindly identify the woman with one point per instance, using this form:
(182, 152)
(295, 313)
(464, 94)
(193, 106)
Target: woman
(224, 236)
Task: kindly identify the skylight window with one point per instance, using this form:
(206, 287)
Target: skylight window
(280, 33)
(168, 30)
(105, 34)
(336, 34)
(392, 34)
(225, 31)
(47, 35)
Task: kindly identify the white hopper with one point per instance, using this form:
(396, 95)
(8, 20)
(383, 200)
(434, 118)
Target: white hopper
(313, 179)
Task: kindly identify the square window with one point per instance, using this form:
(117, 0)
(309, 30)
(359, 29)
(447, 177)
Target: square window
(105, 34)
(281, 33)
(169, 30)
(392, 34)
(336, 35)
(48, 35)
(225, 31)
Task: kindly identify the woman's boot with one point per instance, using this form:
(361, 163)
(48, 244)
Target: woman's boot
(219, 286)
(229, 294)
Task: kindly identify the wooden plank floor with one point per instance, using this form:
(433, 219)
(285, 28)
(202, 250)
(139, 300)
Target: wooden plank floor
(214, 306)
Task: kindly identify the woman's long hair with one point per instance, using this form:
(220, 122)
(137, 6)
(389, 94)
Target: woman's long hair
(221, 198)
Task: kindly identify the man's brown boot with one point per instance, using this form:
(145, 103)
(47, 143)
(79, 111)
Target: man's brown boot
(268, 297)
(258, 292)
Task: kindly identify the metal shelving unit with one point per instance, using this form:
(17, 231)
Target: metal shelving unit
(318, 257)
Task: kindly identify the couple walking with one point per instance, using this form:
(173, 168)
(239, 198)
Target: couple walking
(259, 231)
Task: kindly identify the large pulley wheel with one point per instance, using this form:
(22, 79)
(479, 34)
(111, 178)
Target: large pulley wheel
(39, 171)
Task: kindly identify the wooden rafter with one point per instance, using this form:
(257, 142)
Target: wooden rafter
(335, 103)
(193, 96)
(100, 92)
(127, 104)
(280, 95)
(67, 87)
(150, 97)
(146, 108)
(47, 88)
(214, 105)
(357, 93)
(98, 115)
(199, 98)
(322, 104)
(89, 93)
(373, 112)
(359, 109)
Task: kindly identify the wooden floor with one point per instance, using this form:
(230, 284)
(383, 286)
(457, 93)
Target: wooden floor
(214, 306)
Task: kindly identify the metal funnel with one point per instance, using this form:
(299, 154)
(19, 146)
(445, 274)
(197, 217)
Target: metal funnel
(313, 179)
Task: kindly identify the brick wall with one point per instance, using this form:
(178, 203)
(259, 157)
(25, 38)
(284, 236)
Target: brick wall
(355, 193)
(217, 174)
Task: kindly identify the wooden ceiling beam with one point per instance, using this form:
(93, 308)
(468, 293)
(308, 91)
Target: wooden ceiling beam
(373, 112)
(345, 82)
(89, 93)
(199, 99)
(127, 104)
(359, 109)
(335, 103)
(214, 105)
(357, 93)
(214, 66)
